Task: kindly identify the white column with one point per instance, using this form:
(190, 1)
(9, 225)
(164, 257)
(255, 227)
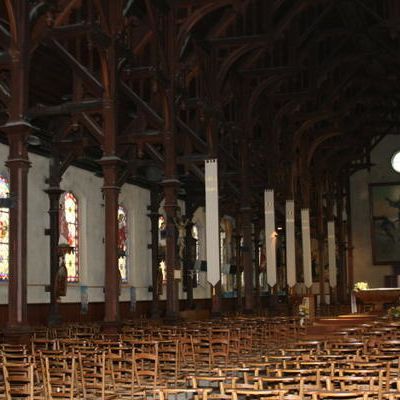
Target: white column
(332, 254)
(212, 221)
(290, 244)
(270, 237)
(306, 242)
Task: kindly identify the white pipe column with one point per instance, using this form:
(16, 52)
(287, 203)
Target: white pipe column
(290, 245)
(332, 256)
(212, 223)
(306, 243)
(270, 237)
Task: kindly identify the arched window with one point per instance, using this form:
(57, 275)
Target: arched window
(69, 234)
(195, 235)
(123, 244)
(162, 232)
(4, 229)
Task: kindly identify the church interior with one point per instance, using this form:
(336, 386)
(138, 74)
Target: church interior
(199, 199)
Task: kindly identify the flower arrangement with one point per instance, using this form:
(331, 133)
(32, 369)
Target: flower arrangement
(394, 312)
(303, 311)
(360, 286)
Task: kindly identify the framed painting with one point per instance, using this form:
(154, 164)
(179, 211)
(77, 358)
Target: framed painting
(385, 222)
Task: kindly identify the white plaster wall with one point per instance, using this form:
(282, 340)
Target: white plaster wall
(87, 187)
(364, 269)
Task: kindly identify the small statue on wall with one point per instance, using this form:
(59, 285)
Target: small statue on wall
(227, 224)
(60, 284)
(181, 222)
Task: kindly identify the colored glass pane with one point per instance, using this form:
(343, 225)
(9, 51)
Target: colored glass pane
(69, 229)
(4, 230)
(123, 244)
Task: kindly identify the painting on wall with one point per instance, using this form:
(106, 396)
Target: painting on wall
(385, 222)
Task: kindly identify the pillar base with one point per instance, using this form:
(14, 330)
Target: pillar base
(216, 314)
(54, 318)
(111, 327)
(20, 334)
(172, 318)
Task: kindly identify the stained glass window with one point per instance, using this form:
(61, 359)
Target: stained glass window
(4, 228)
(123, 244)
(69, 234)
(162, 229)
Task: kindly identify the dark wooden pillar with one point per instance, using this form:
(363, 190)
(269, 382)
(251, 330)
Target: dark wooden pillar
(321, 244)
(18, 130)
(349, 233)
(171, 259)
(239, 268)
(190, 256)
(340, 229)
(257, 265)
(330, 217)
(112, 277)
(54, 192)
(18, 164)
(155, 262)
(245, 217)
(247, 261)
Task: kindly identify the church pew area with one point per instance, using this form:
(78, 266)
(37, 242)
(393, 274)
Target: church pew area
(241, 357)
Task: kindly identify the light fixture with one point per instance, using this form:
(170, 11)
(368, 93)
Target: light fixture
(33, 140)
(395, 161)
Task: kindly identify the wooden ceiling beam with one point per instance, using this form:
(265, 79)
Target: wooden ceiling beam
(271, 70)
(70, 107)
(88, 79)
(68, 31)
(154, 137)
(4, 58)
(239, 40)
(5, 37)
(150, 113)
(198, 142)
(92, 127)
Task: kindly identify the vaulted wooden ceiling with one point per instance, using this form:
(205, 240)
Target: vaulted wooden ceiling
(287, 94)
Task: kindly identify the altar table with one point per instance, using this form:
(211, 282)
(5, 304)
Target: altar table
(377, 296)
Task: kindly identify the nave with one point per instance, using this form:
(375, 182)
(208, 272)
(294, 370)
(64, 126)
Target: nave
(356, 357)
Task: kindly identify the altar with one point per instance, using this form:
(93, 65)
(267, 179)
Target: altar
(377, 297)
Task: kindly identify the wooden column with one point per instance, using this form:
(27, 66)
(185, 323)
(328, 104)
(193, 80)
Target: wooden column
(112, 277)
(245, 213)
(18, 130)
(189, 256)
(236, 238)
(331, 218)
(257, 264)
(321, 244)
(54, 192)
(247, 261)
(349, 233)
(155, 262)
(18, 164)
(171, 259)
(340, 229)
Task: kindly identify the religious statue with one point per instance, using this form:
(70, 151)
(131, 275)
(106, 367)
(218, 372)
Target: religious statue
(122, 236)
(227, 224)
(60, 283)
(181, 223)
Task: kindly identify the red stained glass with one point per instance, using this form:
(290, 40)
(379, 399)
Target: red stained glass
(69, 234)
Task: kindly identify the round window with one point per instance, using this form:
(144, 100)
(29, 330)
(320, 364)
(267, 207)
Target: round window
(396, 161)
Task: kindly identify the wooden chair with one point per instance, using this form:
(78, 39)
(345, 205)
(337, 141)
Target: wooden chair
(19, 381)
(178, 393)
(60, 377)
(256, 394)
(96, 380)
